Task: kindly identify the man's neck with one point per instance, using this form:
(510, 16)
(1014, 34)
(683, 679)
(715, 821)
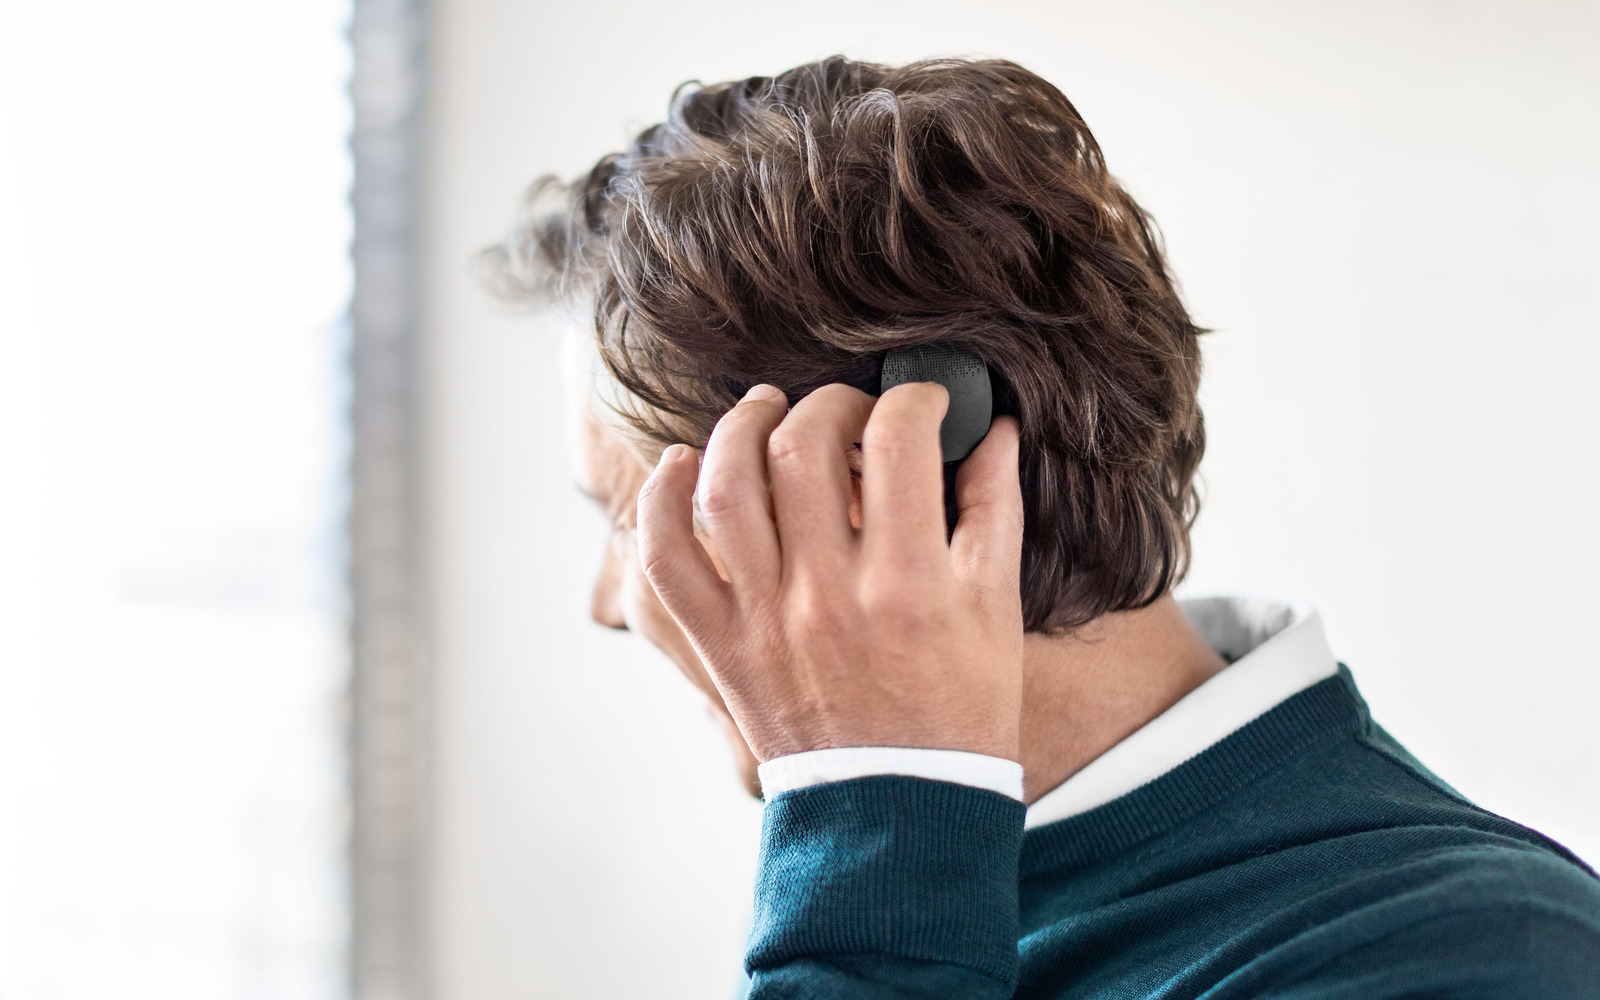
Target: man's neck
(1085, 692)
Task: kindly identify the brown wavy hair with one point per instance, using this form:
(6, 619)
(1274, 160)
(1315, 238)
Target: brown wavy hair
(791, 229)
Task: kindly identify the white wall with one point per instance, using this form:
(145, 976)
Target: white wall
(1386, 210)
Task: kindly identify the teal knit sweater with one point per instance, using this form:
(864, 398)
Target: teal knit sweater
(1307, 855)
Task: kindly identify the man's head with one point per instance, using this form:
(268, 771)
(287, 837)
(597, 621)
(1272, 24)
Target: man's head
(790, 230)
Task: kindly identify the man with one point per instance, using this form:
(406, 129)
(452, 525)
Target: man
(1000, 759)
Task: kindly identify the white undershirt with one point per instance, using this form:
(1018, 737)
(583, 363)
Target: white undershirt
(1274, 651)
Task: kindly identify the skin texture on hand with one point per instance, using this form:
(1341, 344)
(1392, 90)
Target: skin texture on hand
(825, 634)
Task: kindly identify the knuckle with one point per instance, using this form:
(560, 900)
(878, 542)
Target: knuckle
(657, 564)
(788, 447)
(816, 606)
(894, 599)
(875, 599)
(716, 500)
(889, 441)
(808, 608)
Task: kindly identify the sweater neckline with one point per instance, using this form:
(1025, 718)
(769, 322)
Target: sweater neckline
(1274, 650)
(1328, 708)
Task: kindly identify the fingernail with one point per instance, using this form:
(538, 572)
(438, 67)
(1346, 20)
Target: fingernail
(763, 391)
(672, 454)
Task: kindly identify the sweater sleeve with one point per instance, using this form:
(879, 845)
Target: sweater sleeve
(887, 886)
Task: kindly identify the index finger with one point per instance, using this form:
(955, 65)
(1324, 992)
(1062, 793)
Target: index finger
(902, 474)
(734, 502)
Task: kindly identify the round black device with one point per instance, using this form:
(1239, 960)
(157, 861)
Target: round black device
(963, 375)
(971, 409)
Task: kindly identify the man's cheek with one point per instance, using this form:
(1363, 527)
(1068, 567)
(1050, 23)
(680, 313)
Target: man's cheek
(645, 612)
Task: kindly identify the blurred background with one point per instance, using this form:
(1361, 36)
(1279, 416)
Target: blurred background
(174, 284)
(298, 693)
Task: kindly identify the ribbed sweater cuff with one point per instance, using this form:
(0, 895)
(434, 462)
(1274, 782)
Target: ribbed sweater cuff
(904, 867)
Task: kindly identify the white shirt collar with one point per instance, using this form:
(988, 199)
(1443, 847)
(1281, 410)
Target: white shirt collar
(1274, 650)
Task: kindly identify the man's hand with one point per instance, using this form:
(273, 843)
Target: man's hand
(825, 635)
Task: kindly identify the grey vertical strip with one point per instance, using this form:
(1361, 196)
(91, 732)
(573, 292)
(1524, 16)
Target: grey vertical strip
(389, 703)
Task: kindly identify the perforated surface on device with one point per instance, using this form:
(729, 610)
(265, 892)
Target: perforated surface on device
(963, 375)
